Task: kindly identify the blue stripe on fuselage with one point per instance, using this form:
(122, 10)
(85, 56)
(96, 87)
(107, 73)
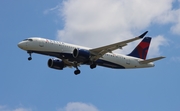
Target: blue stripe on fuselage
(70, 57)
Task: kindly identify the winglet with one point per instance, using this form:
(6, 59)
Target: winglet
(142, 35)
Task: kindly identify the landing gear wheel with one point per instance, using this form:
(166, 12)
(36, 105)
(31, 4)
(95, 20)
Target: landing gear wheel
(92, 66)
(29, 58)
(76, 72)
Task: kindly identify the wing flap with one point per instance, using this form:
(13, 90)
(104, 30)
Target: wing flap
(150, 60)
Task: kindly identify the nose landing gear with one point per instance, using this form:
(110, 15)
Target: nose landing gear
(29, 58)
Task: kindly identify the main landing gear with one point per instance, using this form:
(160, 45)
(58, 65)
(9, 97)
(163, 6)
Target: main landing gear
(92, 66)
(77, 71)
(29, 58)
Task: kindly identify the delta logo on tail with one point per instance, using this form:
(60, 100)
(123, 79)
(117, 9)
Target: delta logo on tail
(142, 49)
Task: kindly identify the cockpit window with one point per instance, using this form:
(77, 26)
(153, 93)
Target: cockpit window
(25, 39)
(28, 40)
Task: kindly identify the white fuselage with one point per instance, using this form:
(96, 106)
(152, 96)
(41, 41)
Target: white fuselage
(54, 48)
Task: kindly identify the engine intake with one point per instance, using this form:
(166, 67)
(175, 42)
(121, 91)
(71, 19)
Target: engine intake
(81, 54)
(56, 64)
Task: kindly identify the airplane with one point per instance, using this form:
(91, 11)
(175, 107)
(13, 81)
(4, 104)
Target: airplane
(69, 55)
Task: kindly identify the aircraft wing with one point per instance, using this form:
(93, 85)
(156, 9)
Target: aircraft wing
(100, 51)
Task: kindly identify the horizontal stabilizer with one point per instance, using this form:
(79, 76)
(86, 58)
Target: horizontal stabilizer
(150, 60)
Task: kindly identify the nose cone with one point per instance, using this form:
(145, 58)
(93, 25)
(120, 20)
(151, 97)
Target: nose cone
(21, 45)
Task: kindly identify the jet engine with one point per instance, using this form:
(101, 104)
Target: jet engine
(56, 64)
(81, 54)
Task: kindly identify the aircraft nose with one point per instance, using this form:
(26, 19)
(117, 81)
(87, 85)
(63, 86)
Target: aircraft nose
(21, 45)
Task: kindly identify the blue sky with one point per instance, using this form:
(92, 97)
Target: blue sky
(32, 86)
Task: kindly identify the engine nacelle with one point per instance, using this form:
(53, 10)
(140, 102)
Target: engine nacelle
(81, 54)
(56, 64)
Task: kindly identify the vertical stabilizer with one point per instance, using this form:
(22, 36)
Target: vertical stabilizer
(142, 49)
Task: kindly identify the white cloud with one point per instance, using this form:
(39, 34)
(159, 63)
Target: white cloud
(95, 23)
(171, 16)
(78, 106)
(5, 108)
(51, 9)
(176, 28)
(22, 109)
(155, 45)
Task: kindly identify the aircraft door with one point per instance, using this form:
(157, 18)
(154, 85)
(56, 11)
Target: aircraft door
(41, 42)
(128, 61)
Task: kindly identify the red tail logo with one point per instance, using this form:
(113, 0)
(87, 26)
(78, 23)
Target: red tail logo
(142, 49)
